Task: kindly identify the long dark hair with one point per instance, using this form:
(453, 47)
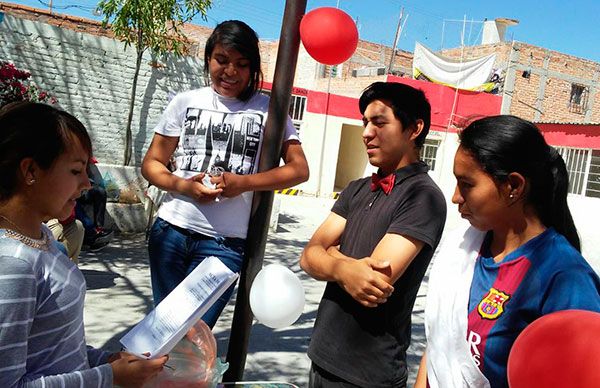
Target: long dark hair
(505, 144)
(37, 131)
(235, 34)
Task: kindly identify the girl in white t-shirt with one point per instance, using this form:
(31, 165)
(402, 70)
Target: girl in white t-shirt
(215, 135)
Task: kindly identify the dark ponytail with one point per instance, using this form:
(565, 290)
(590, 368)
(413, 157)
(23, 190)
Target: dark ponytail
(505, 144)
(559, 215)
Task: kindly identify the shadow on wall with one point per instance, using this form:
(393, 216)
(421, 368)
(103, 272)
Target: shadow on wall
(168, 76)
(91, 77)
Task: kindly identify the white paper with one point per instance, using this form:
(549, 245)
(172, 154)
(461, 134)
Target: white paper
(168, 323)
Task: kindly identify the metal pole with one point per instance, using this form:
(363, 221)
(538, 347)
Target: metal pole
(389, 69)
(323, 138)
(285, 68)
(443, 29)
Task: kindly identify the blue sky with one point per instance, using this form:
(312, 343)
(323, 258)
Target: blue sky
(570, 27)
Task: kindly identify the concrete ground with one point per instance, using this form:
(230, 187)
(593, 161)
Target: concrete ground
(119, 295)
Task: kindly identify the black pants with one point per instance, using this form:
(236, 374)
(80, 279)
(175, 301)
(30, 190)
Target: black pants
(320, 378)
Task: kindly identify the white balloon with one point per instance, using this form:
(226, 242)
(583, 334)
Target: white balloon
(276, 296)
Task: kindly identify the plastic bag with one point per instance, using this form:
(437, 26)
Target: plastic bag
(192, 363)
(112, 188)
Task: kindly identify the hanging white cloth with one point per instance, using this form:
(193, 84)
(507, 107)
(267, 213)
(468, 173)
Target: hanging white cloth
(469, 75)
(449, 361)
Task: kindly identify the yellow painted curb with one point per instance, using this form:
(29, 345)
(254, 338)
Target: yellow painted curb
(288, 191)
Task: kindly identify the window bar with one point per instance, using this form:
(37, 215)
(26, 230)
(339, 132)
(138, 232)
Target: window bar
(586, 170)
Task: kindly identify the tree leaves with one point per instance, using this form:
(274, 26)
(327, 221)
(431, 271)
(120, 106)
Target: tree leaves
(152, 24)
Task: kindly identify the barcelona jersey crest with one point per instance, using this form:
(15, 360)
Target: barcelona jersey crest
(492, 305)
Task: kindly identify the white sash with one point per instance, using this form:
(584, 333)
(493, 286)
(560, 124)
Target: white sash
(449, 361)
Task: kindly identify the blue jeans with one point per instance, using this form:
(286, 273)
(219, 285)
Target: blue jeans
(175, 252)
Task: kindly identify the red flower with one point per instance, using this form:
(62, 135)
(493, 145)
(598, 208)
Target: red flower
(16, 86)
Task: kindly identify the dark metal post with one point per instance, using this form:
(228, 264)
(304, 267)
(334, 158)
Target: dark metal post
(285, 68)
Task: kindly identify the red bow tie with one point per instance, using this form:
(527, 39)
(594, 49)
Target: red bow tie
(386, 183)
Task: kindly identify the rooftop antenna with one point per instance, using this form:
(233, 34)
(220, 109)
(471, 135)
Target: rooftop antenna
(389, 69)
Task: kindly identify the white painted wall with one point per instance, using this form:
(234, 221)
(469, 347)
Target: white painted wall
(352, 159)
(92, 76)
(313, 139)
(586, 214)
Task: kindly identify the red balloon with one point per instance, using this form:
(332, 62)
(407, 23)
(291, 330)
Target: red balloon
(329, 35)
(558, 350)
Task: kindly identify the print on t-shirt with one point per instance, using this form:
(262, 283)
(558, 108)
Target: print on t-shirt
(217, 139)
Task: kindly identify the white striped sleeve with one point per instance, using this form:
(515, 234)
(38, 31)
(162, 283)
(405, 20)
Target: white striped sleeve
(17, 308)
(96, 356)
(101, 377)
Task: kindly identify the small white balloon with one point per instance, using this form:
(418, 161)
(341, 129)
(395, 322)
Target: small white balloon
(276, 296)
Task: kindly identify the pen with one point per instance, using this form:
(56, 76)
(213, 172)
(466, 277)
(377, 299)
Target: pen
(169, 366)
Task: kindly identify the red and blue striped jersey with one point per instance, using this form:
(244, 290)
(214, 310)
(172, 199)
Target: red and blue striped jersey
(542, 276)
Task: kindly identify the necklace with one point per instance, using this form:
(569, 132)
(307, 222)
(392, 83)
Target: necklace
(16, 234)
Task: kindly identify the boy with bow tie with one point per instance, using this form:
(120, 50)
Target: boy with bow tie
(374, 247)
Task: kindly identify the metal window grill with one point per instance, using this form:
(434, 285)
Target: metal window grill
(296, 110)
(578, 98)
(578, 162)
(297, 104)
(593, 180)
(429, 152)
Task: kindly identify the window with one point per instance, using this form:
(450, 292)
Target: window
(584, 176)
(297, 104)
(296, 110)
(593, 180)
(368, 71)
(429, 152)
(324, 71)
(297, 125)
(578, 99)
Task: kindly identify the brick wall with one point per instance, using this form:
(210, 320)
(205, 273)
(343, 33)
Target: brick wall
(552, 77)
(472, 52)
(545, 95)
(92, 75)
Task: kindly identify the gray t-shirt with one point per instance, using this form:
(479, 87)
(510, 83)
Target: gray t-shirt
(41, 321)
(367, 346)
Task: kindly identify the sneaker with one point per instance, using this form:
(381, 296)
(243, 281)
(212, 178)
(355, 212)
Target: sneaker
(98, 245)
(98, 239)
(103, 235)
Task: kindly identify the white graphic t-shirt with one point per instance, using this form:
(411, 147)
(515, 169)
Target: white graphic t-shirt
(214, 131)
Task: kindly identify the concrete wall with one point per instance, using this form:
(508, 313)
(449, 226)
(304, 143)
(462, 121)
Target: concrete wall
(92, 77)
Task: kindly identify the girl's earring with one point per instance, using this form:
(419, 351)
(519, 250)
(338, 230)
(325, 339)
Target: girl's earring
(511, 196)
(31, 182)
